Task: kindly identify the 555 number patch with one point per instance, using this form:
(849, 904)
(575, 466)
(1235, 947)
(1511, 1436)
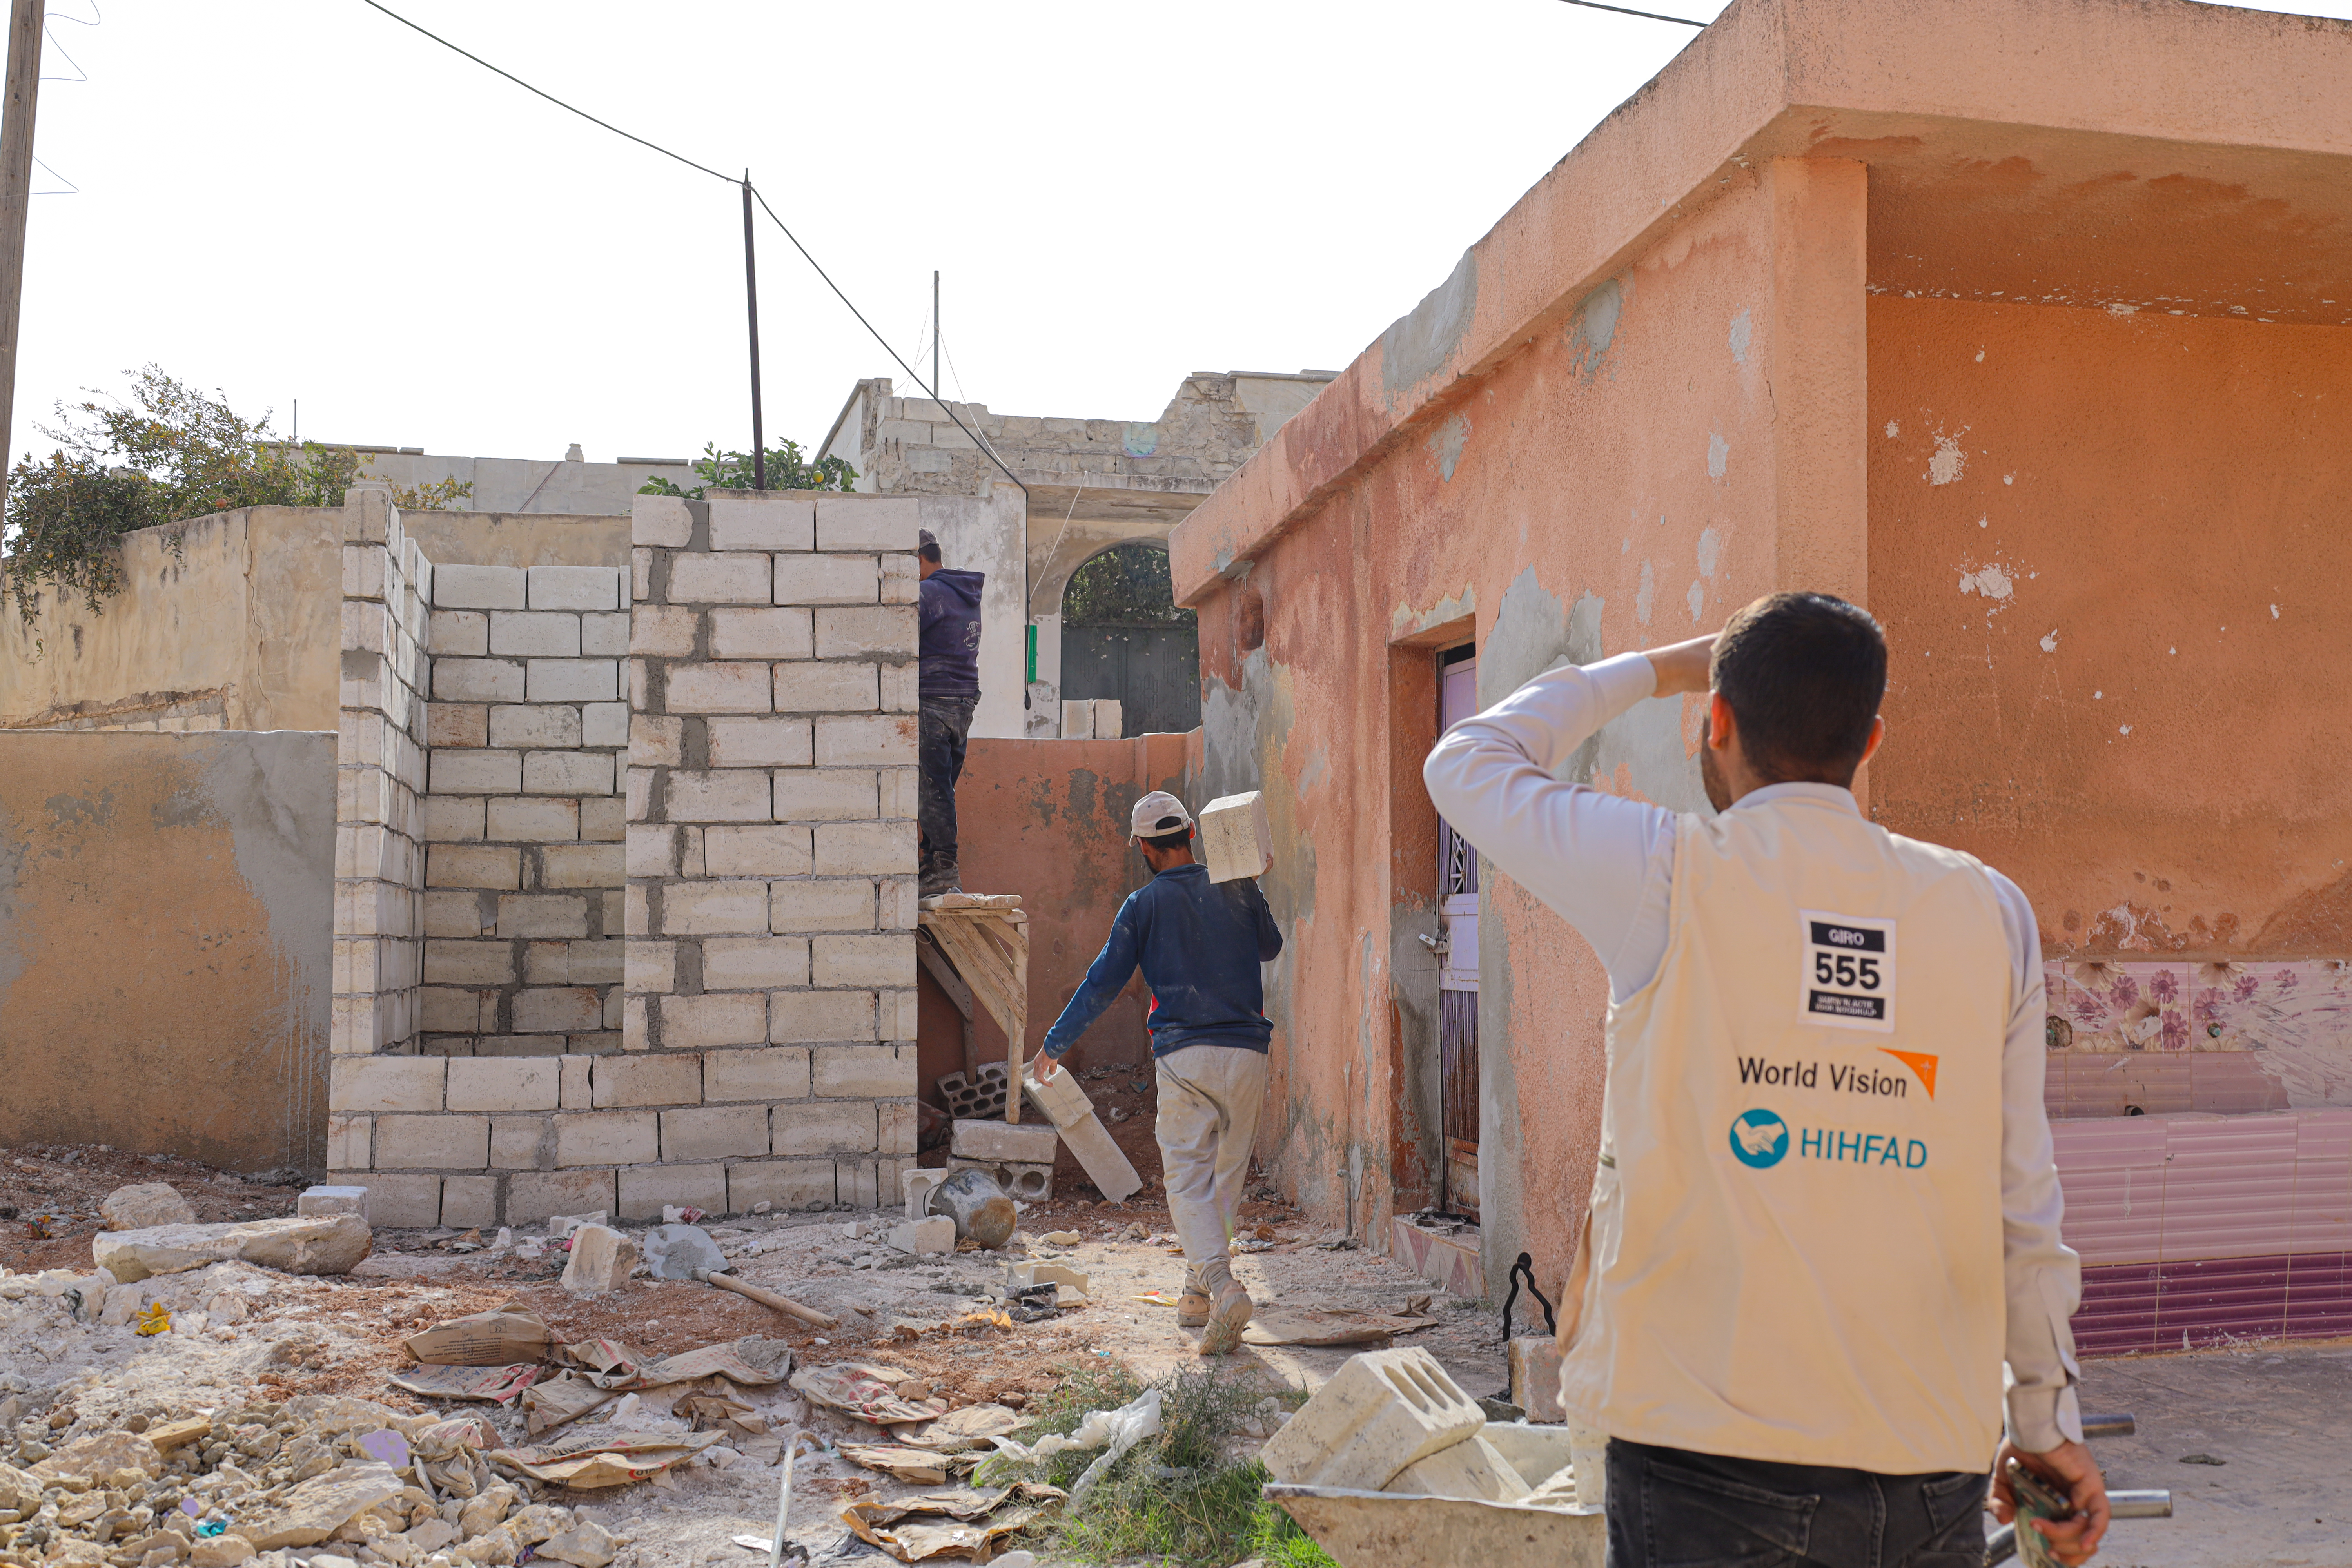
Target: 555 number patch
(1849, 971)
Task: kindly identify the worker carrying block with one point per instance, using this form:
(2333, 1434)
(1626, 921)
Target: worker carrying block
(1199, 944)
(1825, 1212)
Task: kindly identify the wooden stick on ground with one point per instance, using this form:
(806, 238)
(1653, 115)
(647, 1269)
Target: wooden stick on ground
(767, 1299)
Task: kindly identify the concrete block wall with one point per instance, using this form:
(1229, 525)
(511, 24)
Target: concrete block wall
(769, 1026)
(523, 812)
(380, 778)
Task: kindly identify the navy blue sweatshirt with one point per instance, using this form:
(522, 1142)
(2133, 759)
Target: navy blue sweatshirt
(1199, 944)
(950, 646)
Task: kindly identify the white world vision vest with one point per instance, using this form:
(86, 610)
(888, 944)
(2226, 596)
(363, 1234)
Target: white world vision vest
(1794, 1249)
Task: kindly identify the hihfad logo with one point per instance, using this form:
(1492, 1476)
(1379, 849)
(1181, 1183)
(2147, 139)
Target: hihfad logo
(1759, 1139)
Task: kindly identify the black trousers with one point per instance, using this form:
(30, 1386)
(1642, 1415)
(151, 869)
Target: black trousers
(1669, 1508)
(946, 722)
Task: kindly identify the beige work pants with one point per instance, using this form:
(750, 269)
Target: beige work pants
(1209, 1101)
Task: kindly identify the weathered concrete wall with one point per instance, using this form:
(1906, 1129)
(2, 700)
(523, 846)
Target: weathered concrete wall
(1048, 820)
(2108, 548)
(165, 904)
(236, 629)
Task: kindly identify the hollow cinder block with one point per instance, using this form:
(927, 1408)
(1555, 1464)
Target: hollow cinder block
(1027, 1143)
(1474, 1468)
(919, 1185)
(1379, 1413)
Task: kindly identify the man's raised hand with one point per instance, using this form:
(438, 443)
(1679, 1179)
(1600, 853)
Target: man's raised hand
(1682, 667)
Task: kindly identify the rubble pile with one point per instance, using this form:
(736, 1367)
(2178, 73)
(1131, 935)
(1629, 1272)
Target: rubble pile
(323, 1480)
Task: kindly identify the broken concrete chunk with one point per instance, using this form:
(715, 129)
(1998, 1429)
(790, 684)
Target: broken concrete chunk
(318, 1244)
(332, 1200)
(676, 1251)
(1028, 1142)
(1235, 840)
(602, 1260)
(18, 1490)
(1021, 1276)
(1103, 1161)
(1535, 1377)
(586, 1544)
(1473, 1469)
(1381, 1412)
(934, 1234)
(144, 1206)
(316, 1508)
(101, 1457)
(562, 1225)
(432, 1535)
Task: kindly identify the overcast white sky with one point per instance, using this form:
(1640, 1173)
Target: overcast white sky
(302, 199)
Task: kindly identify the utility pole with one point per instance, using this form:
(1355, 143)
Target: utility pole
(15, 198)
(935, 334)
(751, 310)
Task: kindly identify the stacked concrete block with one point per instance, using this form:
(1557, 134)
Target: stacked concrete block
(1379, 1413)
(380, 778)
(771, 795)
(528, 724)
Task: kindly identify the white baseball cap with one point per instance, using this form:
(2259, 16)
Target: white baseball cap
(1157, 814)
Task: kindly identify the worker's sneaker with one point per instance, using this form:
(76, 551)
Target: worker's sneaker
(1227, 1318)
(1192, 1309)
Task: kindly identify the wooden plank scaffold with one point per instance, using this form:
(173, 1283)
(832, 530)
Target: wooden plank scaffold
(985, 949)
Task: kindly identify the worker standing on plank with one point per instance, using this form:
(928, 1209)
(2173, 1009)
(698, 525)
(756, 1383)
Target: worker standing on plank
(1826, 1208)
(1199, 944)
(949, 691)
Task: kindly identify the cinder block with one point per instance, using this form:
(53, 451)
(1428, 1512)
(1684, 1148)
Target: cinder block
(824, 794)
(575, 1092)
(715, 1132)
(472, 865)
(536, 1195)
(743, 964)
(1381, 1412)
(896, 1127)
(550, 915)
(557, 1010)
(826, 904)
(758, 742)
(901, 582)
(1110, 719)
(574, 680)
(765, 633)
(632, 1081)
(1077, 719)
(1471, 1470)
(581, 866)
(433, 1143)
(603, 819)
(356, 1084)
(860, 1180)
(459, 724)
(1234, 840)
(663, 631)
(740, 578)
(1538, 1452)
(477, 680)
(824, 1127)
(936, 1234)
(402, 1202)
(607, 1137)
(826, 580)
(651, 850)
(459, 633)
(647, 1190)
(724, 795)
(517, 1142)
(775, 1073)
(477, 772)
(809, 1018)
(917, 1187)
(765, 522)
(351, 1142)
(502, 1083)
(867, 523)
(604, 724)
(1059, 1098)
(883, 959)
(756, 851)
(444, 1010)
(715, 908)
(453, 818)
(598, 962)
(866, 1071)
(851, 687)
(533, 819)
(1027, 1143)
(883, 848)
(876, 631)
(331, 1200)
(567, 772)
(526, 725)
(888, 740)
(533, 634)
(469, 963)
(1535, 1377)
(715, 1018)
(737, 688)
(786, 1183)
(470, 1200)
(604, 634)
(575, 588)
(1104, 1162)
(662, 521)
(546, 963)
(458, 587)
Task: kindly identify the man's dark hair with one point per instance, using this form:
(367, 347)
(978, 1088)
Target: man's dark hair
(1176, 840)
(1803, 674)
(927, 547)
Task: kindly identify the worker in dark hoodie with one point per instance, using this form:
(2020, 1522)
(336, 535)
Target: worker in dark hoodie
(950, 690)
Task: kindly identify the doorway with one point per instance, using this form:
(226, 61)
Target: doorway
(1457, 959)
(1125, 637)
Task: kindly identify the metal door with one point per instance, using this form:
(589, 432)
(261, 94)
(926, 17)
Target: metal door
(1457, 979)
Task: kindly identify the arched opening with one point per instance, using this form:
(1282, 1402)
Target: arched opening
(1124, 636)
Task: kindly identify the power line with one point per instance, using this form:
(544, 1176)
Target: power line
(1596, 5)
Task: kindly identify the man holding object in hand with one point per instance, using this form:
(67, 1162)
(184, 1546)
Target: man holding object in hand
(1821, 1259)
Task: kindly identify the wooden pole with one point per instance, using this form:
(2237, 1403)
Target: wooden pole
(15, 199)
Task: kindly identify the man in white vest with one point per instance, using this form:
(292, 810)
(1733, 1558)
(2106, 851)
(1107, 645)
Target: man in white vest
(1821, 1256)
